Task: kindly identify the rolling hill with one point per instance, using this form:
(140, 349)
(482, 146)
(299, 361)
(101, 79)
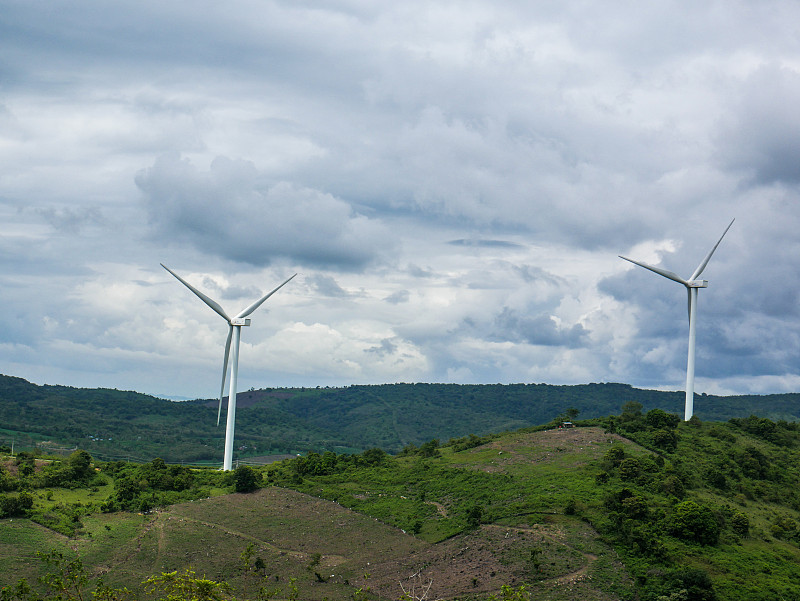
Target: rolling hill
(633, 506)
(115, 424)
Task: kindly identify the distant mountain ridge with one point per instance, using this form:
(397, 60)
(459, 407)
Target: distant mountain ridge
(129, 425)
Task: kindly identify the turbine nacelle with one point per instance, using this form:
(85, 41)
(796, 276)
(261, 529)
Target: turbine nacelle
(692, 285)
(235, 325)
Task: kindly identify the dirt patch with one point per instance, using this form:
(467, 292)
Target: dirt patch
(482, 561)
(11, 466)
(581, 445)
(440, 509)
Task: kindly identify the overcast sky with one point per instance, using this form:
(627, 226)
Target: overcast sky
(452, 181)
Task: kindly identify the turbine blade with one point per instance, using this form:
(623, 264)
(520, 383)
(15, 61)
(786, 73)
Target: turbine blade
(258, 303)
(658, 270)
(210, 302)
(702, 265)
(689, 302)
(224, 371)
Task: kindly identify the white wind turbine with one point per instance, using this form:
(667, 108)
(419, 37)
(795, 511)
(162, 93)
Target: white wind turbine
(234, 333)
(692, 286)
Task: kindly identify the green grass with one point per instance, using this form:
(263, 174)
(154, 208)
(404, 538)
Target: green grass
(351, 512)
(20, 539)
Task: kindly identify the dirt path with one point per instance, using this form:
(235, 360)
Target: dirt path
(328, 560)
(440, 509)
(568, 578)
(579, 573)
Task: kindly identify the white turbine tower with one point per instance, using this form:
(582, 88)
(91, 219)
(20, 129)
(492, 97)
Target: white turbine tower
(234, 333)
(692, 286)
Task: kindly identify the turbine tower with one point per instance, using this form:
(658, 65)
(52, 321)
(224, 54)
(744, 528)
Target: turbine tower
(234, 334)
(692, 286)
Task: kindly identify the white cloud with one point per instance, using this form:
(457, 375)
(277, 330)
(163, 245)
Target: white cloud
(452, 181)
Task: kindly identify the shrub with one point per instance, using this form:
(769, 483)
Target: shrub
(634, 507)
(661, 420)
(740, 523)
(246, 479)
(614, 455)
(429, 449)
(474, 516)
(694, 522)
(672, 485)
(629, 469)
(665, 439)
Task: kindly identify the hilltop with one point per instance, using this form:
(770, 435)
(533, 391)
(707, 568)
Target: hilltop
(638, 505)
(113, 424)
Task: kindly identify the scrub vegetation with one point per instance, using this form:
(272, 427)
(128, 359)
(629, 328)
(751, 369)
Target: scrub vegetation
(634, 506)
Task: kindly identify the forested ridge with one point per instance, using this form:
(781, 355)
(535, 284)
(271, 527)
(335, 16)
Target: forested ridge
(129, 425)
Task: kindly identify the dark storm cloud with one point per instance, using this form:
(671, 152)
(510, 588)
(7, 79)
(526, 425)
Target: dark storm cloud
(325, 285)
(747, 318)
(231, 211)
(477, 243)
(401, 296)
(72, 220)
(386, 348)
(495, 167)
(539, 330)
(762, 135)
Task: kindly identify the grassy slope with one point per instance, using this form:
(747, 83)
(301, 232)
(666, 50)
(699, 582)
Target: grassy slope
(289, 528)
(522, 481)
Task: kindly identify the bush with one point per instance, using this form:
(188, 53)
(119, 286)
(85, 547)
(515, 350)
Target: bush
(694, 522)
(629, 469)
(474, 516)
(672, 485)
(429, 449)
(246, 479)
(740, 523)
(661, 420)
(13, 506)
(665, 439)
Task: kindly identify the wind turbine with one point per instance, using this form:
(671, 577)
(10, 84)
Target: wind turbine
(692, 286)
(234, 334)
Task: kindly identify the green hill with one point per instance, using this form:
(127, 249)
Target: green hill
(635, 506)
(114, 424)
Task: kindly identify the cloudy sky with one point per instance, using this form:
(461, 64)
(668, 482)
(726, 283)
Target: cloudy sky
(452, 181)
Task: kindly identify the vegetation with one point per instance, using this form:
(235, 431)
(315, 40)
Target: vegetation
(635, 505)
(121, 425)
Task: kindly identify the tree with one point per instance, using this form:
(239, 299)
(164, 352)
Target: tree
(658, 419)
(246, 479)
(740, 523)
(672, 485)
(474, 516)
(26, 464)
(171, 586)
(629, 468)
(631, 411)
(429, 449)
(374, 456)
(80, 465)
(665, 439)
(694, 522)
